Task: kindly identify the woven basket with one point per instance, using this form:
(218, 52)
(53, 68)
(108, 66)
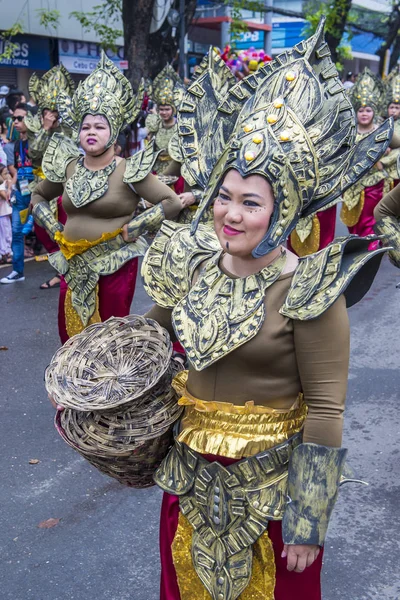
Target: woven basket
(109, 364)
(126, 441)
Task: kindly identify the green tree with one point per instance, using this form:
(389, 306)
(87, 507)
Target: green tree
(147, 53)
(337, 13)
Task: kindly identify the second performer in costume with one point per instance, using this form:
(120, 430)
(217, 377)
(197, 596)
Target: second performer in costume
(101, 240)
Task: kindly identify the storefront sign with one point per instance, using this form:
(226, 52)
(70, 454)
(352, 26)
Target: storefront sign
(82, 57)
(250, 39)
(30, 52)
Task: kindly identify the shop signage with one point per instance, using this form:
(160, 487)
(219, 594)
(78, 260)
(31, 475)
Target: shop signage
(30, 52)
(82, 57)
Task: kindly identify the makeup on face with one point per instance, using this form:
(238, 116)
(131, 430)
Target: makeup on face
(242, 212)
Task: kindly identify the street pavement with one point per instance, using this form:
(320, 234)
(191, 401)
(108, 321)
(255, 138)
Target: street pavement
(105, 544)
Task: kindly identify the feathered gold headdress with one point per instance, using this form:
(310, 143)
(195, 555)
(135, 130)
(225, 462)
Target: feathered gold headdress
(45, 90)
(368, 90)
(290, 122)
(105, 92)
(163, 86)
(392, 86)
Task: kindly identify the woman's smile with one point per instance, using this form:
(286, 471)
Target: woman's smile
(228, 230)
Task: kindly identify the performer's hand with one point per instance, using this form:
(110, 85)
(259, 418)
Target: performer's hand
(300, 556)
(49, 120)
(54, 405)
(125, 235)
(187, 199)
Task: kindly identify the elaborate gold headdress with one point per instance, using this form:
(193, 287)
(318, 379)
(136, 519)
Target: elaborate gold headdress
(45, 90)
(105, 92)
(368, 90)
(290, 122)
(392, 86)
(163, 86)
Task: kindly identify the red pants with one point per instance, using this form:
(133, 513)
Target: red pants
(115, 295)
(366, 222)
(289, 585)
(327, 223)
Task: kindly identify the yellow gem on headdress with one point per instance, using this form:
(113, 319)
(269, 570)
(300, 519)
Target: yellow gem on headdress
(257, 139)
(290, 76)
(248, 128)
(249, 156)
(285, 136)
(278, 103)
(272, 119)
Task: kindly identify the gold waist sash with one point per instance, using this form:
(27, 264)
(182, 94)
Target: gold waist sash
(71, 249)
(225, 429)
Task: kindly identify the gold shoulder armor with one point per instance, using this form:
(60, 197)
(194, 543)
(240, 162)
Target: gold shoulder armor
(344, 267)
(172, 259)
(140, 164)
(32, 123)
(153, 123)
(60, 151)
(174, 149)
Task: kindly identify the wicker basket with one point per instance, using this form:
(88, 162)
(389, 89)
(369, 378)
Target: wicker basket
(109, 364)
(126, 441)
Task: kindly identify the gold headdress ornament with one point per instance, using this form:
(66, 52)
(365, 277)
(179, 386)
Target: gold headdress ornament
(392, 86)
(368, 90)
(45, 90)
(163, 86)
(290, 122)
(105, 92)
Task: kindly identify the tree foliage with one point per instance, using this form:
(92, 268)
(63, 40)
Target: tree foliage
(104, 20)
(337, 14)
(7, 40)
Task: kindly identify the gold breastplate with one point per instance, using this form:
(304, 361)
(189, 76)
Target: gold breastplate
(86, 186)
(219, 313)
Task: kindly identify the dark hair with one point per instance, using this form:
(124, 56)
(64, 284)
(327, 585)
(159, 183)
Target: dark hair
(13, 99)
(21, 106)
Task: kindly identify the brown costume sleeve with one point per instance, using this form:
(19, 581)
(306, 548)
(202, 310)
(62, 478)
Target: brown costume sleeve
(163, 317)
(389, 206)
(46, 191)
(174, 168)
(154, 191)
(395, 141)
(322, 349)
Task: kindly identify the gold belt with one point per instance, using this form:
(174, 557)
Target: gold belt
(71, 249)
(225, 429)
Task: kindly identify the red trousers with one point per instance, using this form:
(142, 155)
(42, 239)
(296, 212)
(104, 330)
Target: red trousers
(115, 295)
(366, 222)
(327, 223)
(289, 585)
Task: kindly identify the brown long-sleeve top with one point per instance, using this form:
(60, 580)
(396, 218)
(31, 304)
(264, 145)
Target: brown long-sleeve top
(113, 210)
(389, 206)
(285, 358)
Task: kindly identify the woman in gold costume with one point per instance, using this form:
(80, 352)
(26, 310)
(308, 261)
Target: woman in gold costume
(100, 242)
(253, 476)
(162, 125)
(367, 96)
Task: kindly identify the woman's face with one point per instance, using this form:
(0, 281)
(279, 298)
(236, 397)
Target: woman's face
(242, 213)
(94, 134)
(394, 110)
(166, 112)
(365, 115)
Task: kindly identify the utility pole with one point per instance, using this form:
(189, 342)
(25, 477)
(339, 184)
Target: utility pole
(268, 21)
(226, 29)
(182, 40)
